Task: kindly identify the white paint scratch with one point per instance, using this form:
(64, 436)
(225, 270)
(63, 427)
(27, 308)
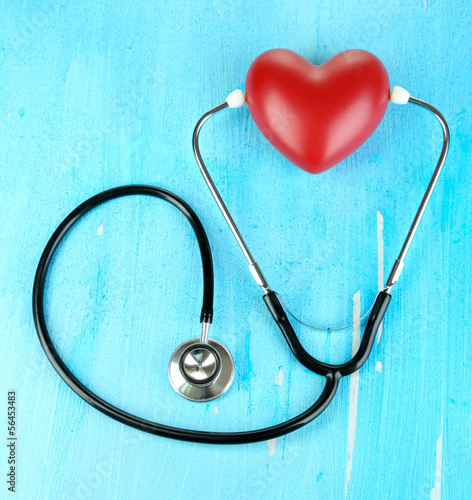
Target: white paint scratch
(272, 443)
(8, 115)
(380, 263)
(378, 366)
(425, 5)
(100, 230)
(280, 377)
(353, 389)
(436, 491)
(215, 410)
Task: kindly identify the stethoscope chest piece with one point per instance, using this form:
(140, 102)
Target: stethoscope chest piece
(201, 371)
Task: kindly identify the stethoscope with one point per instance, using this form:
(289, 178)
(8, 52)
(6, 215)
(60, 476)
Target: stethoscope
(202, 369)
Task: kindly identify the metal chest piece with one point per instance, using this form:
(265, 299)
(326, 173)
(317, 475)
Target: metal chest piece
(201, 369)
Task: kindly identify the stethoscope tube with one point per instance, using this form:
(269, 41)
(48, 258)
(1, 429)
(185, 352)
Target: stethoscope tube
(376, 316)
(332, 373)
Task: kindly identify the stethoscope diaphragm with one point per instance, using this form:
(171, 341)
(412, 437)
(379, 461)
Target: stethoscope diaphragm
(201, 371)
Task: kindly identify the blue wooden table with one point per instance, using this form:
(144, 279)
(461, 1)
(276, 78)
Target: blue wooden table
(100, 94)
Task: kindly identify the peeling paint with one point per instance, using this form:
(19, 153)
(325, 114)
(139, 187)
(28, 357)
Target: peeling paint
(380, 263)
(378, 366)
(436, 491)
(353, 389)
(280, 377)
(272, 443)
(100, 230)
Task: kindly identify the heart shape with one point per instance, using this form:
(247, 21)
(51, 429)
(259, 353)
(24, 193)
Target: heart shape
(316, 116)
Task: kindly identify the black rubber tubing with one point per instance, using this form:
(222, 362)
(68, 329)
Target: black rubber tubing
(332, 373)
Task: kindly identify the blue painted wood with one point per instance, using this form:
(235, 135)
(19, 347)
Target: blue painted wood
(96, 95)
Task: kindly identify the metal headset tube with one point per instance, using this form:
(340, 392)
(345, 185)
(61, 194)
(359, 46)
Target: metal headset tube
(253, 267)
(399, 263)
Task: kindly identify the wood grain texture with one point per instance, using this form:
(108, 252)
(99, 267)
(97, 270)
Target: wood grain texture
(96, 95)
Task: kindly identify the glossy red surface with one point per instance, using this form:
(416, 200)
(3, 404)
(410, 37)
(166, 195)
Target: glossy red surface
(316, 116)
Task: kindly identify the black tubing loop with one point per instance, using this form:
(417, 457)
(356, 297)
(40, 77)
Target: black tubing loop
(332, 379)
(136, 189)
(378, 311)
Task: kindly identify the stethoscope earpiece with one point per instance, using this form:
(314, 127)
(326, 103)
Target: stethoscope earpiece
(399, 95)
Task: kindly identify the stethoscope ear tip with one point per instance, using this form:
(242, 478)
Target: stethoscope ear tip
(236, 99)
(399, 95)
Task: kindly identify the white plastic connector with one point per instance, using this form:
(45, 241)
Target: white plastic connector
(399, 95)
(236, 99)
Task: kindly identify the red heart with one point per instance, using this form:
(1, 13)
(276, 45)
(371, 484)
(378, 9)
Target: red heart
(317, 115)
